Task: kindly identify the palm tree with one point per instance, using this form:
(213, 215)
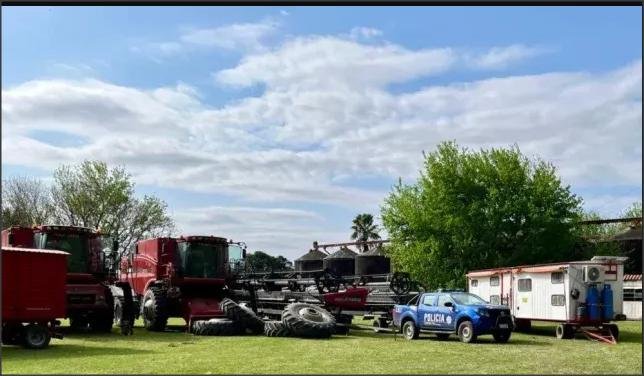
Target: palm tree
(364, 229)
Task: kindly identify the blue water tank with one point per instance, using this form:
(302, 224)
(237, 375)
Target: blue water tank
(607, 302)
(592, 303)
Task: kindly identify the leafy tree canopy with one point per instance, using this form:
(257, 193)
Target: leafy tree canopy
(262, 262)
(479, 209)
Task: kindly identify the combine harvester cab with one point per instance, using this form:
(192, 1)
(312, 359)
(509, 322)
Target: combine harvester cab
(92, 294)
(33, 295)
(177, 277)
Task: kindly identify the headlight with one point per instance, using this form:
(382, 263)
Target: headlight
(483, 312)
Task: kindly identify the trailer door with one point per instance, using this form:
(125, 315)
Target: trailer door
(523, 296)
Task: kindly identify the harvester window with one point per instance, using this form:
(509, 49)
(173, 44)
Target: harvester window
(202, 260)
(494, 280)
(75, 244)
(557, 277)
(525, 285)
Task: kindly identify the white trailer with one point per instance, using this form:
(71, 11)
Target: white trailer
(552, 292)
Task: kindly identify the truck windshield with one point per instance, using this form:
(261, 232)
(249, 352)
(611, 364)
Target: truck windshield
(76, 244)
(465, 298)
(203, 260)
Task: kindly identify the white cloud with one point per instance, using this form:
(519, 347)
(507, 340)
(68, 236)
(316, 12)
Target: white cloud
(501, 57)
(239, 36)
(326, 114)
(362, 32)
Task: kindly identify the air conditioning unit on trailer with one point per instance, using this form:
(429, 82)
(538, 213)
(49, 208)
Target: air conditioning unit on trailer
(593, 274)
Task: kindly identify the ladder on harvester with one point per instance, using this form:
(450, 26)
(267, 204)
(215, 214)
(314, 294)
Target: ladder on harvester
(600, 335)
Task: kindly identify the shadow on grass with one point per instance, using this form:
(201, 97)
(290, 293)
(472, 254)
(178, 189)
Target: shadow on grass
(62, 350)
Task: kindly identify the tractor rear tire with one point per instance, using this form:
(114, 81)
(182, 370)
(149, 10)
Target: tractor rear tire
(243, 315)
(216, 327)
(36, 336)
(308, 320)
(155, 315)
(276, 329)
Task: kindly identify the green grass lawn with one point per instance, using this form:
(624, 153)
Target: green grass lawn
(362, 352)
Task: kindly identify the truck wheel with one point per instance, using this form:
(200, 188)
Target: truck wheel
(276, 329)
(216, 327)
(564, 331)
(155, 316)
(613, 329)
(466, 332)
(409, 330)
(502, 336)
(243, 315)
(442, 336)
(308, 320)
(36, 336)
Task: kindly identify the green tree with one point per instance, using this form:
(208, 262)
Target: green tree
(25, 202)
(364, 229)
(93, 195)
(263, 262)
(470, 210)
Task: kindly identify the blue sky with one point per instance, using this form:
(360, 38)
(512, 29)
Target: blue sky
(278, 124)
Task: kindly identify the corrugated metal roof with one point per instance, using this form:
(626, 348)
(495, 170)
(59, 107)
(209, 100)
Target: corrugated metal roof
(632, 277)
(342, 253)
(33, 250)
(374, 252)
(313, 254)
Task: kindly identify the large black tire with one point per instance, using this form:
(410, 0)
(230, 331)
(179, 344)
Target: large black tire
(216, 327)
(154, 311)
(276, 329)
(243, 315)
(409, 330)
(308, 320)
(502, 336)
(36, 336)
(466, 332)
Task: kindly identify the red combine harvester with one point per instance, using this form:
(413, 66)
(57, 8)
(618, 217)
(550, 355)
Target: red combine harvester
(92, 294)
(179, 277)
(33, 295)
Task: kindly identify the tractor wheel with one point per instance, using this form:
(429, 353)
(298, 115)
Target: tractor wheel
(102, 322)
(502, 336)
(276, 329)
(466, 332)
(308, 320)
(78, 323)
(36, 336)
(216, 327)
(243, 315)
(155, 316)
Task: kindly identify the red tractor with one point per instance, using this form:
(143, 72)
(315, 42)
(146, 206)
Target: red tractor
(33, 295)
(92, 294)
(179, 277)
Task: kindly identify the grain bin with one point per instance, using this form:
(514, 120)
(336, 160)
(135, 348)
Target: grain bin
(372, 262)
(341, 262)
(310, 261)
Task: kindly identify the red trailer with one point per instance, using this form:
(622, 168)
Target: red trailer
(33, 295)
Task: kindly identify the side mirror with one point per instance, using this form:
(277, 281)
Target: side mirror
(244, 253)
(449, 304)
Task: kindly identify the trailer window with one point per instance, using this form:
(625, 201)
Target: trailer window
(557, 277)
(495, 299)
(494, 280)
(525, 284)
(632, 295)
(557, 300)
(474, 282)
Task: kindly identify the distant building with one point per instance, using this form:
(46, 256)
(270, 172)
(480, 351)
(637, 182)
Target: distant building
(633, 296)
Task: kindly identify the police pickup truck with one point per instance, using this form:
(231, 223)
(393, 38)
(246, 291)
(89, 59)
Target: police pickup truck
(453, 312)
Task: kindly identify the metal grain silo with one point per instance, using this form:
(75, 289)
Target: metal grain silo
(372, 262)
(310, 261)
(341, 262)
